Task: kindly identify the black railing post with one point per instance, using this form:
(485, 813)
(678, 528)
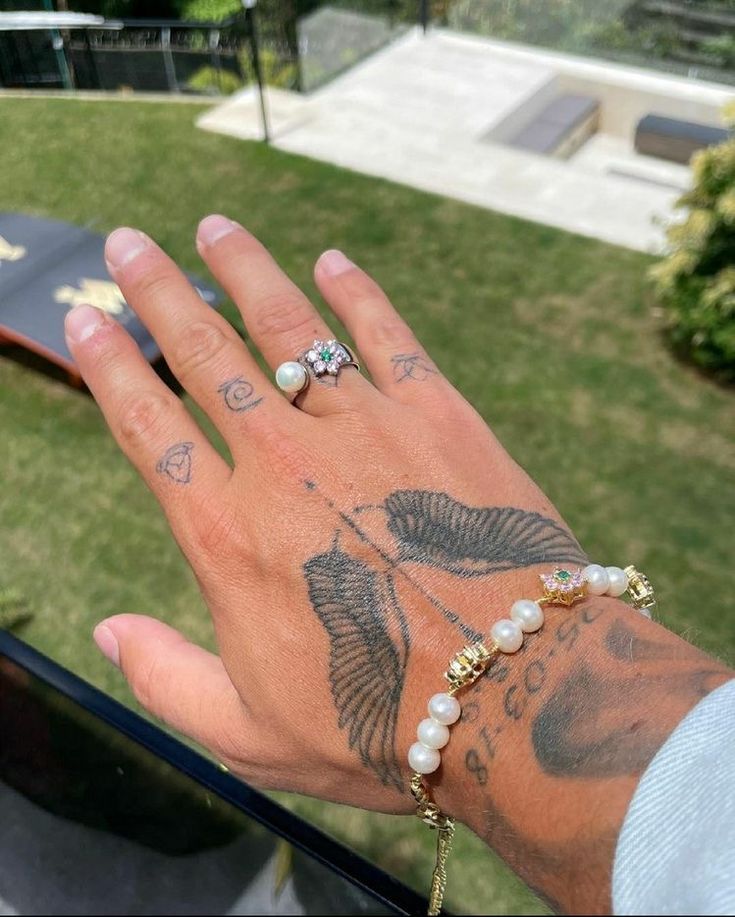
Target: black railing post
(424, 14)
(255, 53)
(94, 74)
(213, 37)
(168, 59)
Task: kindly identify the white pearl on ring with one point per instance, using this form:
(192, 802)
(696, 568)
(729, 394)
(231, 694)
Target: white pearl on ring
(422, 759)
(508, 635)
(528, 615)
(291, 377)
(618, 581)
(444, 709)
(597, 579)
(432, 733)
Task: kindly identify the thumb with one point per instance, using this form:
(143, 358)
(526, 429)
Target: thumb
(177, 681)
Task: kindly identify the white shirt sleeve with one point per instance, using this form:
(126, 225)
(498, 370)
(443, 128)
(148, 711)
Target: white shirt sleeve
(676, 851)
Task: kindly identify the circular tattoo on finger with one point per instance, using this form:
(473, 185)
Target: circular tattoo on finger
(238, 394)
(176, 463)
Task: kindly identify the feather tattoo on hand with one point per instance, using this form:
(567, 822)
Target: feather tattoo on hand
(435, 529)
(359, 608)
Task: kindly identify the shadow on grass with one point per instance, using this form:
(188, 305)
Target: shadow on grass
(723, 379)
(37, 363)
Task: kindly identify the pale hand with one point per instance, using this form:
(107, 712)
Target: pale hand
(361, 538)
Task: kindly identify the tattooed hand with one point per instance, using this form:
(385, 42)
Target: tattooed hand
(354, 542)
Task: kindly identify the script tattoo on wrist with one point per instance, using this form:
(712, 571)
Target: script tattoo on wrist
(412, 366)
(239, 394)
(176, 463)
(551, 739)
(522, 680)
(590, 699)
(357, 600)
(581, 727)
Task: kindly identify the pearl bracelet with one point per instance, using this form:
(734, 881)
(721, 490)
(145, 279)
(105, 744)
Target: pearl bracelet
(561, 587)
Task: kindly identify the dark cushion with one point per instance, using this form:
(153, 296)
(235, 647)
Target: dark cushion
(559, 119)
(675, 140)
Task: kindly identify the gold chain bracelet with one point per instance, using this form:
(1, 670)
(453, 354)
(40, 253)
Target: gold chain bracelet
(561, 587)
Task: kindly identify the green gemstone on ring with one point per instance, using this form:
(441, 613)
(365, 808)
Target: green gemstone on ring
(326, 355)
(563, 575)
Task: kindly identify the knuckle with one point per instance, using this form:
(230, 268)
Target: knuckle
(152, 284)
(452, 412)
(228, 746)
(142, 413)
(146, 685)
(150, 275)
(355, 419)
(288, 458)
(198, 345)
(283, 312)
(364, 289)
(219, 532)
(392, 333)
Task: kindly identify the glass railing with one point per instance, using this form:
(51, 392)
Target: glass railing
(683, 37)
(336, 36)
(303, 52)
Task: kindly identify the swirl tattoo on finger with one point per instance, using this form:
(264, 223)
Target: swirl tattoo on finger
(175, 463)
(238, 394)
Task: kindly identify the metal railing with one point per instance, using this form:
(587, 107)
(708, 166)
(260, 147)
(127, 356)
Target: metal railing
(137, 54)
(208, 57)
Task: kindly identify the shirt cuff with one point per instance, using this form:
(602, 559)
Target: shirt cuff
(676, 851)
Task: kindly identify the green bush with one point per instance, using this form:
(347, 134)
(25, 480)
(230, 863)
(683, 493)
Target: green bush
(208, 10)
(695, 282)
(211, 81)
(277, 69)
(723, 48)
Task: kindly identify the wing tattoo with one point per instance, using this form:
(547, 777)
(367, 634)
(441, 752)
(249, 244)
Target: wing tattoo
(433, 528)
(359, 608)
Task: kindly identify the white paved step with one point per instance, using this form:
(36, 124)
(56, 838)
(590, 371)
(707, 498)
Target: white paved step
(419, 111)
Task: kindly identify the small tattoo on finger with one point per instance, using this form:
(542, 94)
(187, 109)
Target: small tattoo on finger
(176, 463)
(327, 380)
(412, 366)
(239, 394)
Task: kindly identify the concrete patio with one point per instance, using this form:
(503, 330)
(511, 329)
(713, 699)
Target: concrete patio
(433, 112)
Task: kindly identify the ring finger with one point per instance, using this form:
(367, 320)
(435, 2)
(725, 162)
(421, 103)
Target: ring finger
(280, 319)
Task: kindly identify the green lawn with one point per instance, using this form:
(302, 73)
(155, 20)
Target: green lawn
(550, 335)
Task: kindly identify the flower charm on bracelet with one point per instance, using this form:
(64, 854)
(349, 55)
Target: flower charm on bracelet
(563, 586)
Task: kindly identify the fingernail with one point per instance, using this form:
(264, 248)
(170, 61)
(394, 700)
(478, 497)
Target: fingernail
(82, 322)
(107, 644)
(213, 228)
(123, 245)
(334, 263)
